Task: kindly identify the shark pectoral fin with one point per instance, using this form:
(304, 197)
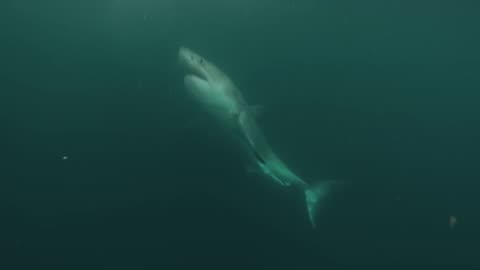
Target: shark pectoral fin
(251, 169)
(257, 110)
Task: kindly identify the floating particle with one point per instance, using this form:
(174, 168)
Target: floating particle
(452, 221)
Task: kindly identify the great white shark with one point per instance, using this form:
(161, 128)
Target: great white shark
(220, 98)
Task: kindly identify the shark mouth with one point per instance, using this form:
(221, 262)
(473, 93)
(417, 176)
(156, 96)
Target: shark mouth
(200, 74)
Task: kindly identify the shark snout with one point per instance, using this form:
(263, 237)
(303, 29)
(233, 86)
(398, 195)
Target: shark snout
(187, 56)
(192, 63)
(183, 56)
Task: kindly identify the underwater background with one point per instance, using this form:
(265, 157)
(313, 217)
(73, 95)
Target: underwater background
(101, 167)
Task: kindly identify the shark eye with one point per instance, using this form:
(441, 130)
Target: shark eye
(201, 61)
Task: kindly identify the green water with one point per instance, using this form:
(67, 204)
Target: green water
(101, 168)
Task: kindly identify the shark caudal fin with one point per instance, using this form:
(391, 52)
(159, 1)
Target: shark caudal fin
(315, 195)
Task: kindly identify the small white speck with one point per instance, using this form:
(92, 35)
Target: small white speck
(64, 157)
(452, 221)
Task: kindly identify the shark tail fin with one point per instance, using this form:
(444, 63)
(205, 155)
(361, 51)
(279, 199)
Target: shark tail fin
(315, 195)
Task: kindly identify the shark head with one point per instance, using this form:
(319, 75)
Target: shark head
(208, 85)
(199, 72)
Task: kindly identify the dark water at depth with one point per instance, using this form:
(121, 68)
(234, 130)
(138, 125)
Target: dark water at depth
(101, 170)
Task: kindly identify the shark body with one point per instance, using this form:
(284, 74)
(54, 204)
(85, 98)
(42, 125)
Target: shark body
(216, 93)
